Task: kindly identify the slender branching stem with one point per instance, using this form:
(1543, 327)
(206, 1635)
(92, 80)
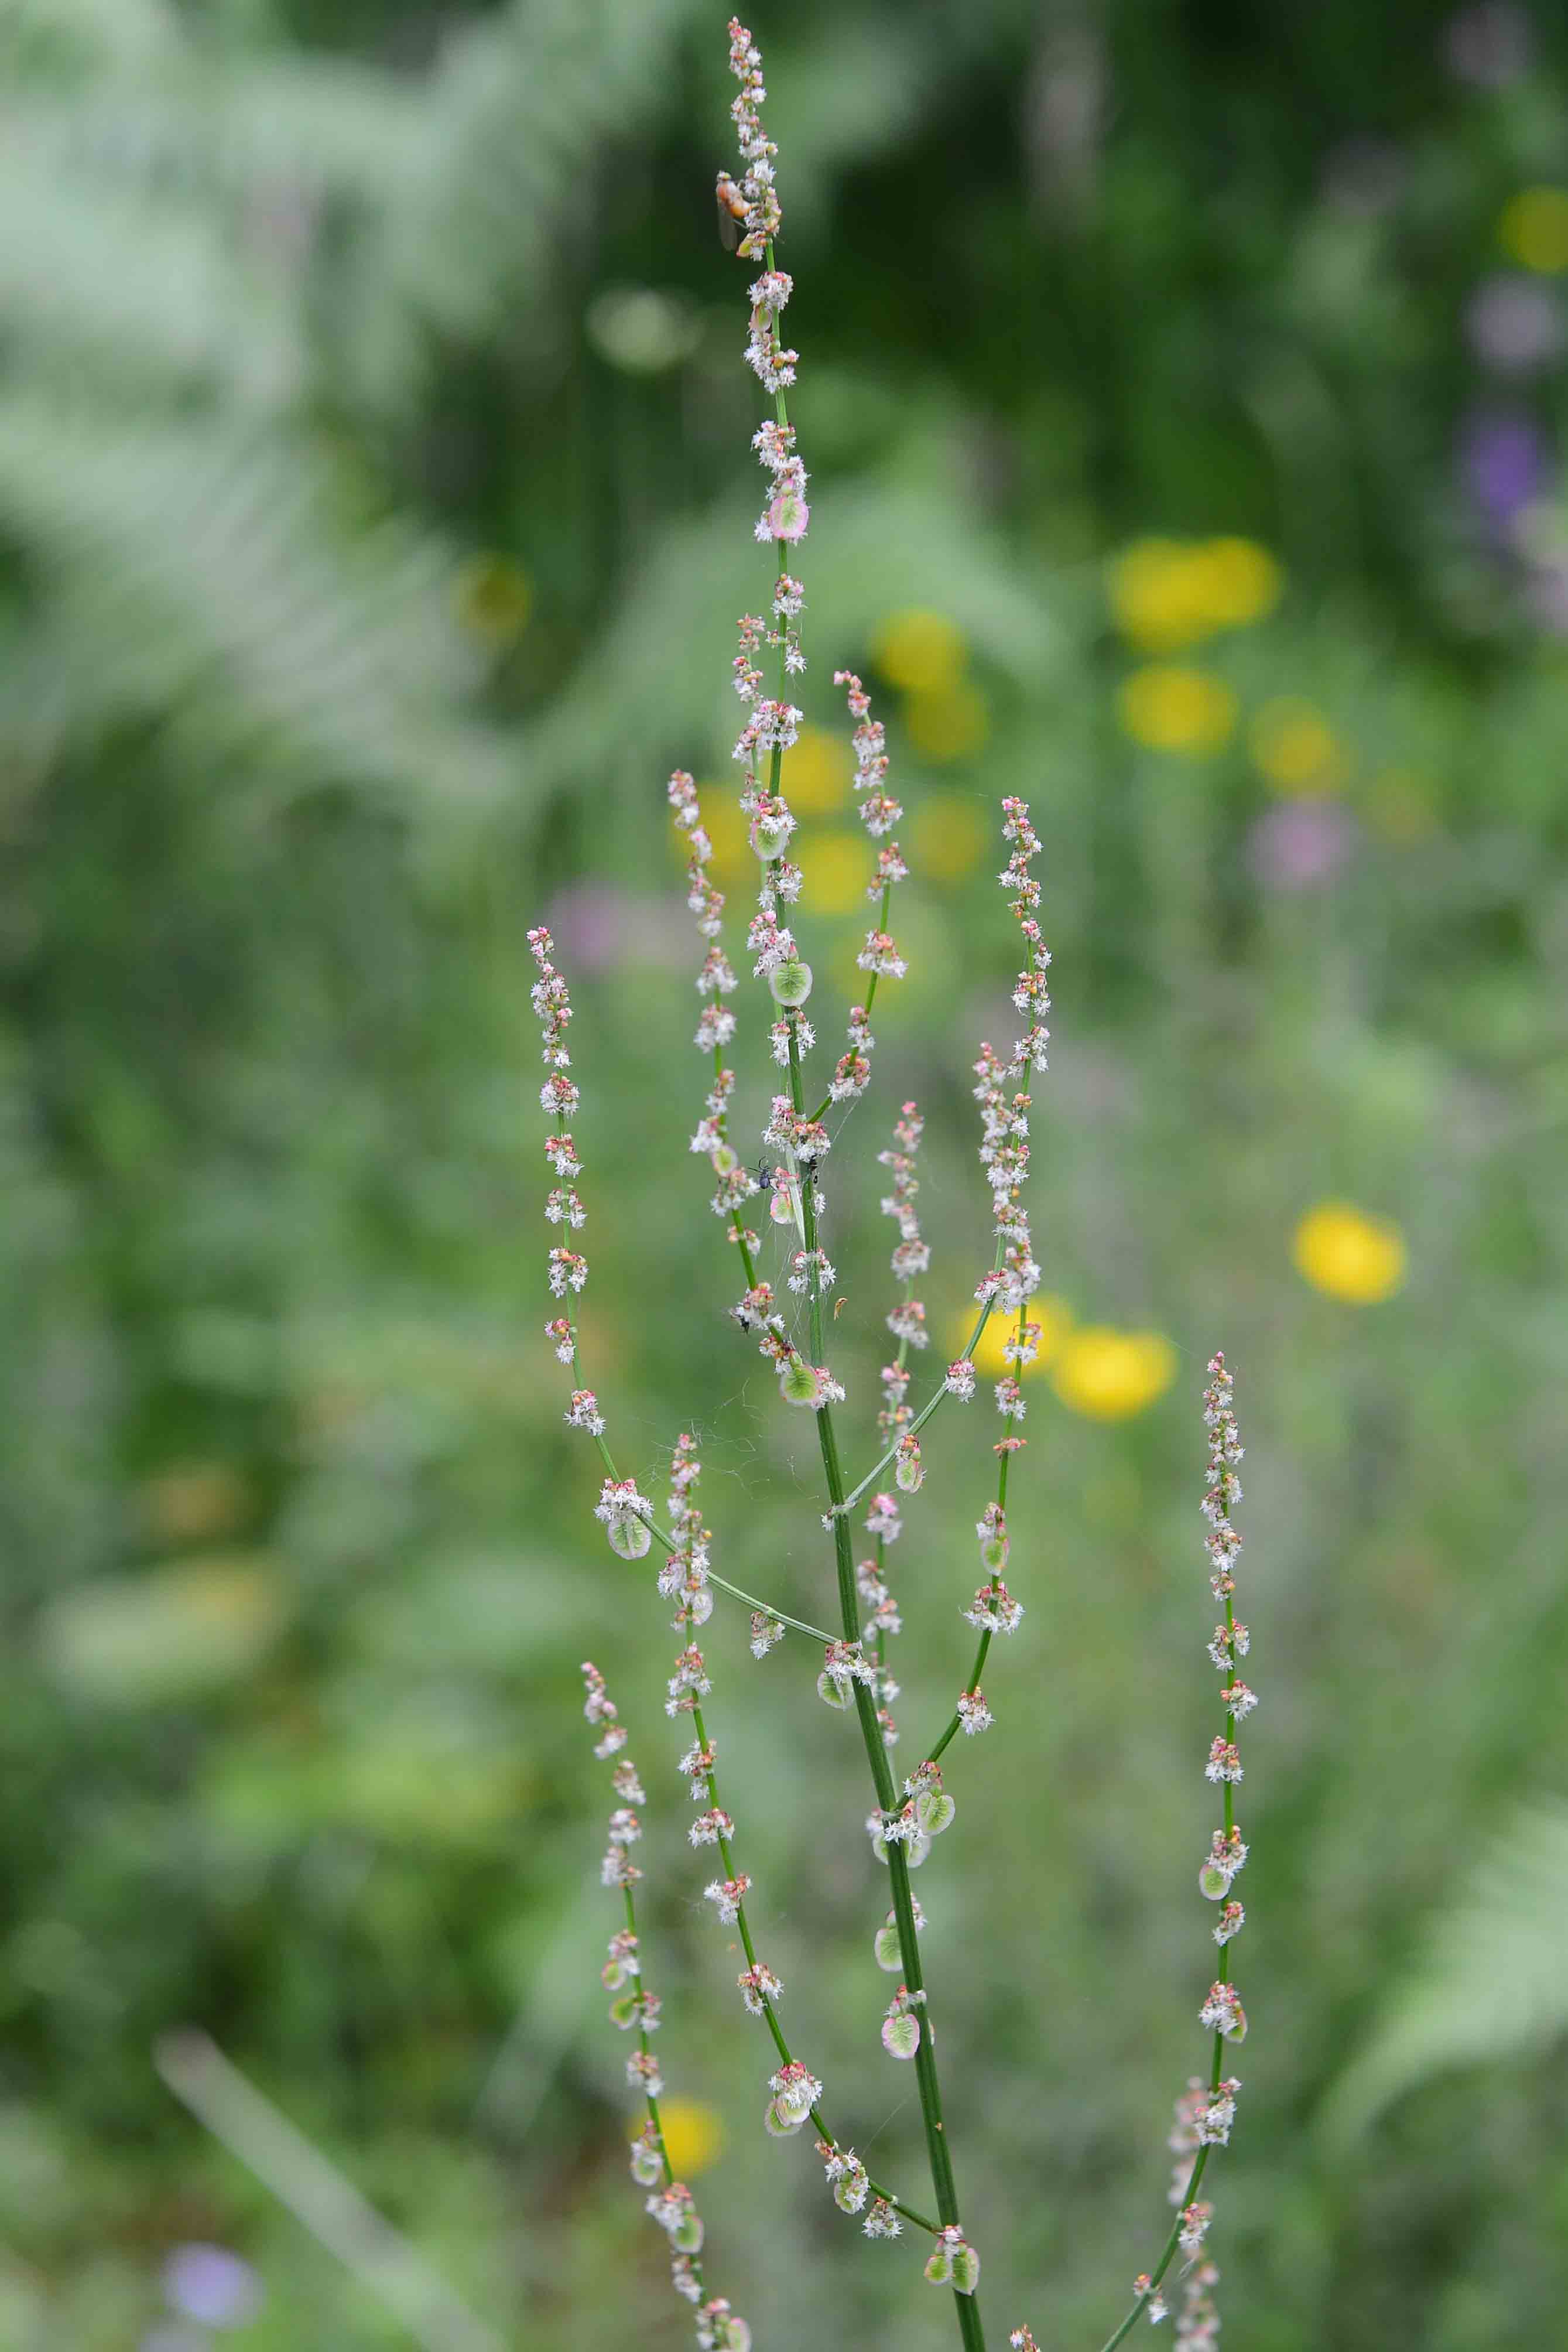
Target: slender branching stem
(770, 2012)
(970, 2330)
(926, 1410)
(1169, 2252)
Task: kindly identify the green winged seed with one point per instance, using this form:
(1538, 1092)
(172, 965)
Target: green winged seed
(791, 983)
(901, 2035)
(934, 1810)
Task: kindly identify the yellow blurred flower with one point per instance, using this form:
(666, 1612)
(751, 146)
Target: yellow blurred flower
(1153, 586)
(919, 650)
(1052, 1314)
(838, 867)
(1341, 1250)
(1399, 808)
(1294, 748)
(815, 774)
(494, 599)
(947, 722)
(1167, 708)
(1167, 594)
(693, 2135)
(1111, 1375)
(949, 836)
(724, 822)
(1533, 229)
(1242, 582)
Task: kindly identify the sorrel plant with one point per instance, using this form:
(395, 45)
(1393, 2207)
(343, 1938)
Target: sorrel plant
(791, 1328)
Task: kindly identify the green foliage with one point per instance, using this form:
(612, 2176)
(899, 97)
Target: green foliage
(362, 574)
(1488, 1983)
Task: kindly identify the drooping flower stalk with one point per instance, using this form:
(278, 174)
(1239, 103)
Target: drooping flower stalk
(1207, 2110)
(797, 2092)
(1005, 1157)
(686, 1578)
(628, 1519)
(636, 2011)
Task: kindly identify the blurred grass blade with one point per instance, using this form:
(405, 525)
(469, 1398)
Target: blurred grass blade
(315, 2192)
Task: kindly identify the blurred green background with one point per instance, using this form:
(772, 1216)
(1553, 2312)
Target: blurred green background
(1183, 389)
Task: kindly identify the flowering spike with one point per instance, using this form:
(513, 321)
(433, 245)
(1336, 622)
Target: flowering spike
(1206, 2111)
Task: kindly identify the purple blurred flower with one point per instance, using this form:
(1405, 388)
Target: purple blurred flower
(1489, 47)
(1299, 845)
(601, 928)
(209, 2283)
(1502, 463)
(1513, 324)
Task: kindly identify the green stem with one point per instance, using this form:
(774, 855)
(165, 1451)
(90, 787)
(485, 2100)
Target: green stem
(970, 2330)
(875, 2188)
(663, 1535)
(826, 1102)
(1163, 2265)
(649, 2096)
(924, 1415)
(769, 2013)
(933, 1753)
(984, 1642)
(796, 1624)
